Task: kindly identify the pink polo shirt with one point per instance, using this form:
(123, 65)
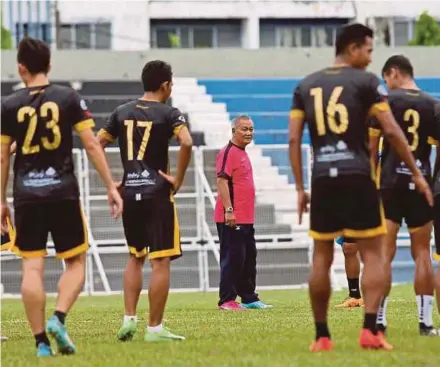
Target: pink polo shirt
(233, 164)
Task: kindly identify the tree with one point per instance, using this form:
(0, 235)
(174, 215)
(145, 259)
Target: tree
(427, 31)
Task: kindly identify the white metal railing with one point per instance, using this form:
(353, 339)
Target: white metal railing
(284, 250)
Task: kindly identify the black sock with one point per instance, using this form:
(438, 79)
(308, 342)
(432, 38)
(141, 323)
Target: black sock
(322, 330)
(61, 316)
(41, 338)
(353, 286)
(370, 322)
(381, 327)
(422, 326)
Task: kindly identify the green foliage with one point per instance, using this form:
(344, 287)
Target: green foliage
(427, 31)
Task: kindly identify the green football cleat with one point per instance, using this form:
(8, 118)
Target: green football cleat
(127, 331)
(162, 336)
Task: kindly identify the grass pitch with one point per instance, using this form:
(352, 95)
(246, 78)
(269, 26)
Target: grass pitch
(263, 338)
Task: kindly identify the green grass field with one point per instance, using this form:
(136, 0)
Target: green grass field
(278, 337)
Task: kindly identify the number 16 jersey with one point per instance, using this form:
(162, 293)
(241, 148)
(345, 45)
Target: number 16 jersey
(144, 129)
(336, 103)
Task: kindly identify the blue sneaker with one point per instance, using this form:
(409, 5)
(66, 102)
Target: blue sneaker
(44, 350)
(58, 331)
(257, 305)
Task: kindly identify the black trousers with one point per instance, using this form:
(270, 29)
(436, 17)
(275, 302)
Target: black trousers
(238, 263)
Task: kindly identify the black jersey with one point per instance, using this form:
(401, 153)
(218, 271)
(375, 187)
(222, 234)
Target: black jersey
(40, 120)
(144, 129)
(419, 118)
(336, 103)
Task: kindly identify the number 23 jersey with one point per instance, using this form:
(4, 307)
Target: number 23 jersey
(336, 103)
(144, 129)
(41, 120)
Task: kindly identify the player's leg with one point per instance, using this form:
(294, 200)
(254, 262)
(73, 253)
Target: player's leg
(232, 258)
(246, 283)
(372, 284)
(325, 225)
(164, 246)
(419, 220)
(133, 219)
(69, 233)
(437, 248)
(352, 270)
(364, 221)
(390, 248)
(320, 290)
(31, 240)
(394, 212)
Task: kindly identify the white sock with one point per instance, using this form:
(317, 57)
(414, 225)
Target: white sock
(155, 329)
(424, 305)
(128, 318)
(381, 313)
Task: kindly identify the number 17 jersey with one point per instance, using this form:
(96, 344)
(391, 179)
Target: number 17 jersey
(144, 129)
(336, 103)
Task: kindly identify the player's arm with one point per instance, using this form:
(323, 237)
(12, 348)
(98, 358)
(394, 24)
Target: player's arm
(6, 141)
(296, 129)
(13, 148)
(435, 137)
(5, 162)
(225, 167)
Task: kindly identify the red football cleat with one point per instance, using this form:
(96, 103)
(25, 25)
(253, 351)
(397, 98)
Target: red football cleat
(323, 344)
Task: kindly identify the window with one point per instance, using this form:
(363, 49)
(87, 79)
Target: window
(103, 36)
(267, 36)
(203, 37)
(65, 36)
(306, 36)
(35, 30)
(228, 36)
(83, 36)
(164, 37)
(401, 33)
(289, 36)
(324, 36)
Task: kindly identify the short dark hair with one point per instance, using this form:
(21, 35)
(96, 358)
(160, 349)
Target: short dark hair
(399, 62)
(352, 33)
(34, 54)
(154, 74)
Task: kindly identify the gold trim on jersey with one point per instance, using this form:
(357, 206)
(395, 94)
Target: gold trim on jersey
(106, 135)
(432, 141)
(6, 139)
(85, 124)
(379, 107)
(177, 130)
(297, 114)
(77, 250)
(176, 250)
(33, 254)
(137, 253)
(436, 256)
(374, 132)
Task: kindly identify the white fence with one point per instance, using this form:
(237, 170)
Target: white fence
(284, 247)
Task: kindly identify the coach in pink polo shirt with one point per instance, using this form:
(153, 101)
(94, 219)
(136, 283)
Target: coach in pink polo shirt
(235, 216)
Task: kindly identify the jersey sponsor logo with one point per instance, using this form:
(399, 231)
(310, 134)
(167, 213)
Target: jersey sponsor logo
(41, 178)
(182, 119)
(139, 179)
(83, 105)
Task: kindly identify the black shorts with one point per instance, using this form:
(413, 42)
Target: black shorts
(401, 203)
(63, 219)
(437, 227)
(346, 206)
(151, 225)
(8, 239)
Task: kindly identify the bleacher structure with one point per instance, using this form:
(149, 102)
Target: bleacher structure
(284, 247)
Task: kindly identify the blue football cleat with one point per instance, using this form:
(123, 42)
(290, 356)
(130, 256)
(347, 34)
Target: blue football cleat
(58, 331)
(44, 350)
(257, 305)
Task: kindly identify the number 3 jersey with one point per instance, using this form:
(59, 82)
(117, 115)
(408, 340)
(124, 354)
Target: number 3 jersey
(41, 120)
(144, 129)
(419, 118)
(336, 103)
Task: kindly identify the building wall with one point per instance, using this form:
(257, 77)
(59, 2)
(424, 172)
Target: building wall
(234, 63)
